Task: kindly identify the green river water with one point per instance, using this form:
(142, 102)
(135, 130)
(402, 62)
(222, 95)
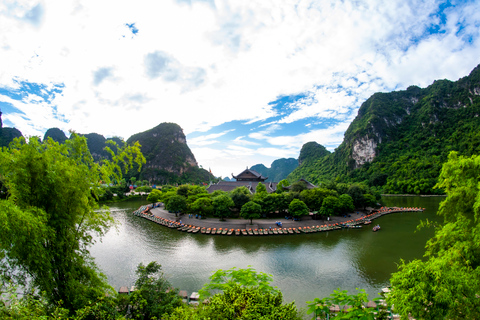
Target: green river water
(303, 266)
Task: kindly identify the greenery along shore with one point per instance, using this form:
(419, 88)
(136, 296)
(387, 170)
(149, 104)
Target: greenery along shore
(48, 214)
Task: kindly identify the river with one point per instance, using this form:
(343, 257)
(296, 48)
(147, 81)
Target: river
(303, 266)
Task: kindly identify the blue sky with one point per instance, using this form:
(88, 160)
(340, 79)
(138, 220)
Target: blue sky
(248, 81)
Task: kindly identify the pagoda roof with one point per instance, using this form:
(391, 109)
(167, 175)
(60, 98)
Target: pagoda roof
(249, 175)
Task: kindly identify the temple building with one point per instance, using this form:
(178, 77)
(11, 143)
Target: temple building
(247, 178)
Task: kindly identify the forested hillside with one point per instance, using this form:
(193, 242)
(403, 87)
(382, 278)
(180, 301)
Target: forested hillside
(399, 140)
(279, 169)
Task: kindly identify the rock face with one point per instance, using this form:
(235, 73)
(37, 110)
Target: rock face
(364, 150)
(166, 152)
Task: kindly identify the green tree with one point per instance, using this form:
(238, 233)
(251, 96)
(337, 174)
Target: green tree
(251, 210)
(202, 206)
(222, 205)
(249, 303)
(281, 184)
(330, 206)
(154, 196)
(345, 204)
(240, 196)
(356, 306)
(154, 296)
(260, 193)
(176, 204)
(446, 284)
(222, 280)
(50, 216)
(298, 208)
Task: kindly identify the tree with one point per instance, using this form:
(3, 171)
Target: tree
(345, 204)
(369, 200)
(222, 280)
(222, 205)
(298, 208)
(202, 206)
(240, 196)
(281, 184)
(50, 216)
(330, 206)
(154, 296)
(176, 204)
(249, 303)
(356, 305)
(260, 192)
(251, 210)
(154, 196)
(446, 284)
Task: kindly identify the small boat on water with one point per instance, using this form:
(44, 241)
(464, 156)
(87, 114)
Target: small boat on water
(244, 232)
(224, 231)
(229, 233)
(250, 232)
(376, 228)
(275, 231)
(367, 222)
(237, 232)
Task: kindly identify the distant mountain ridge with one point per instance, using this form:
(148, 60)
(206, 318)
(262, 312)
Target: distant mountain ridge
(279, 170)
(169, 159)
(399, 140)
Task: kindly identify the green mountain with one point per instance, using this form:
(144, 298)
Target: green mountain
(169, 159)
(279, 170)
(56, 134)
(399, 140)
(7, 134)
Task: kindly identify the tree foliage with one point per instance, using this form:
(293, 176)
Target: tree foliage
(446, 285)
(222, 205)
(251, 210)
(298, 208)
(50, 217)
(154, 297)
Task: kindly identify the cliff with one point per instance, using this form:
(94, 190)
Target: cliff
(399, 140)
(169, 159)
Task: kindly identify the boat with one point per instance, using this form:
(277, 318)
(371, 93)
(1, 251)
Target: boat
(229, 233)
(244, 232)
(224, 231)
(280, 231)
(265, 231)
(275, 231)
(250, 232)
(255, 232)
(367, 222)
(270, 231)
(237, 232)
(376, 228)
(209, 231)
(203, 230)
(290, 230)
(296, 230)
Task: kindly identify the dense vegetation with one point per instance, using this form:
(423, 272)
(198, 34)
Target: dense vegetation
(279, 169)
(48, 216)
(414, 131)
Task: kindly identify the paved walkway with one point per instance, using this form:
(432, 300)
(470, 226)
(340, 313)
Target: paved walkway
(306, 221)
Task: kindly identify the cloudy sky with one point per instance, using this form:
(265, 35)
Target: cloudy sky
(249, 81)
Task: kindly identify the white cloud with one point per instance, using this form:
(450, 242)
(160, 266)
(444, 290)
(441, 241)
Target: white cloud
(202, 64)
(207, 139)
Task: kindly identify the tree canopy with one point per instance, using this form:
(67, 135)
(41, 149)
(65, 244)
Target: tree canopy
(50, 215)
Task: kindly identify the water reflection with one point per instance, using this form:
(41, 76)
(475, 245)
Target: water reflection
(303, 266)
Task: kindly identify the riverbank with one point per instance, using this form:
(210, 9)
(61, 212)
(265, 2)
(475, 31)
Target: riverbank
(157, 214)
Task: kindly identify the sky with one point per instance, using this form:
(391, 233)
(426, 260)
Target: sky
(248, 81)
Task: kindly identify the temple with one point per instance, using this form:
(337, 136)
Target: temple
(247, 178)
